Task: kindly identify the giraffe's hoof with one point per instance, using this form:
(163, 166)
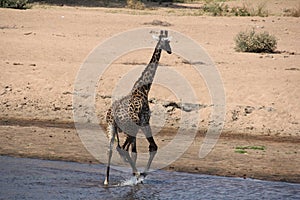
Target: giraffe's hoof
(144, 174)
(136, 174)
(105, 183)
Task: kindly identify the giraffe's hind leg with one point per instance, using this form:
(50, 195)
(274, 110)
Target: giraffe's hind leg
(130, 141)
(112, 131)
(134, 151)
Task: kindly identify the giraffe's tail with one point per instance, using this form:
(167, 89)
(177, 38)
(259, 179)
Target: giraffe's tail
(110, 128)
(110, 131)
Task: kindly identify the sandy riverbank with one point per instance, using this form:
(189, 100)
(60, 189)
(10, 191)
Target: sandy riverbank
(43, 48)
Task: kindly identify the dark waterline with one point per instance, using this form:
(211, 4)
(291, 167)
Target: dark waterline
(23, 178)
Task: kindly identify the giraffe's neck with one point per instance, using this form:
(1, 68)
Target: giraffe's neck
(143, 84)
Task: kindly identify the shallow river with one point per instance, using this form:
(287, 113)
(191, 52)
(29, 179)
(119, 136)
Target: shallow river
(23, 178)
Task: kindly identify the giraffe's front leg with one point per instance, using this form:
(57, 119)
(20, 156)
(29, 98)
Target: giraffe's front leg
(152, 147)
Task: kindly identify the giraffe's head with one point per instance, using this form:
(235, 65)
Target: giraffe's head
(163, 42)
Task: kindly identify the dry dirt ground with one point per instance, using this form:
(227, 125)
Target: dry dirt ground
(43, 48)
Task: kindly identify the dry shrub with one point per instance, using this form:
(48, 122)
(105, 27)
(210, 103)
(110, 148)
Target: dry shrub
(18, 4)
(215, 8)
(135, 4)
(250, 41)
(294, 12)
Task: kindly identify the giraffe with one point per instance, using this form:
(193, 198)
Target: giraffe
(132, 113)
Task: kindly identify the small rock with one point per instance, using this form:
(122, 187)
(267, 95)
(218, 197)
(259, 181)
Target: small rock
(28, 33)
(249, 109)
(16, 63)
(101, 96)
(269, 56)
(235, 115)
(270, 109)
(56, 108)
(293, 69)
(67, 92)
(170, 109)
(3, 92)
(8, 88)
(188, 107)
(69, 107)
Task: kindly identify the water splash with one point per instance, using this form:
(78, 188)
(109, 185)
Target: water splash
(132, 181)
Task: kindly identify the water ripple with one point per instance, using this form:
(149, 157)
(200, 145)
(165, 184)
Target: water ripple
(40, 179)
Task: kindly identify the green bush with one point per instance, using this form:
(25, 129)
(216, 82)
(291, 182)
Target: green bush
(18, 4)
(250, 41)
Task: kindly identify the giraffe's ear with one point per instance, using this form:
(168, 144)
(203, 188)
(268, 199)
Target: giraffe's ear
(155, 37)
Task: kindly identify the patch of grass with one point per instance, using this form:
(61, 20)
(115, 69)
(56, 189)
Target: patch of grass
(262, 148)
(17, 4)
(241, 151)
(250, 41)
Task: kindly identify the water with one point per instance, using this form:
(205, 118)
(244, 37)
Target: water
(40, 179)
